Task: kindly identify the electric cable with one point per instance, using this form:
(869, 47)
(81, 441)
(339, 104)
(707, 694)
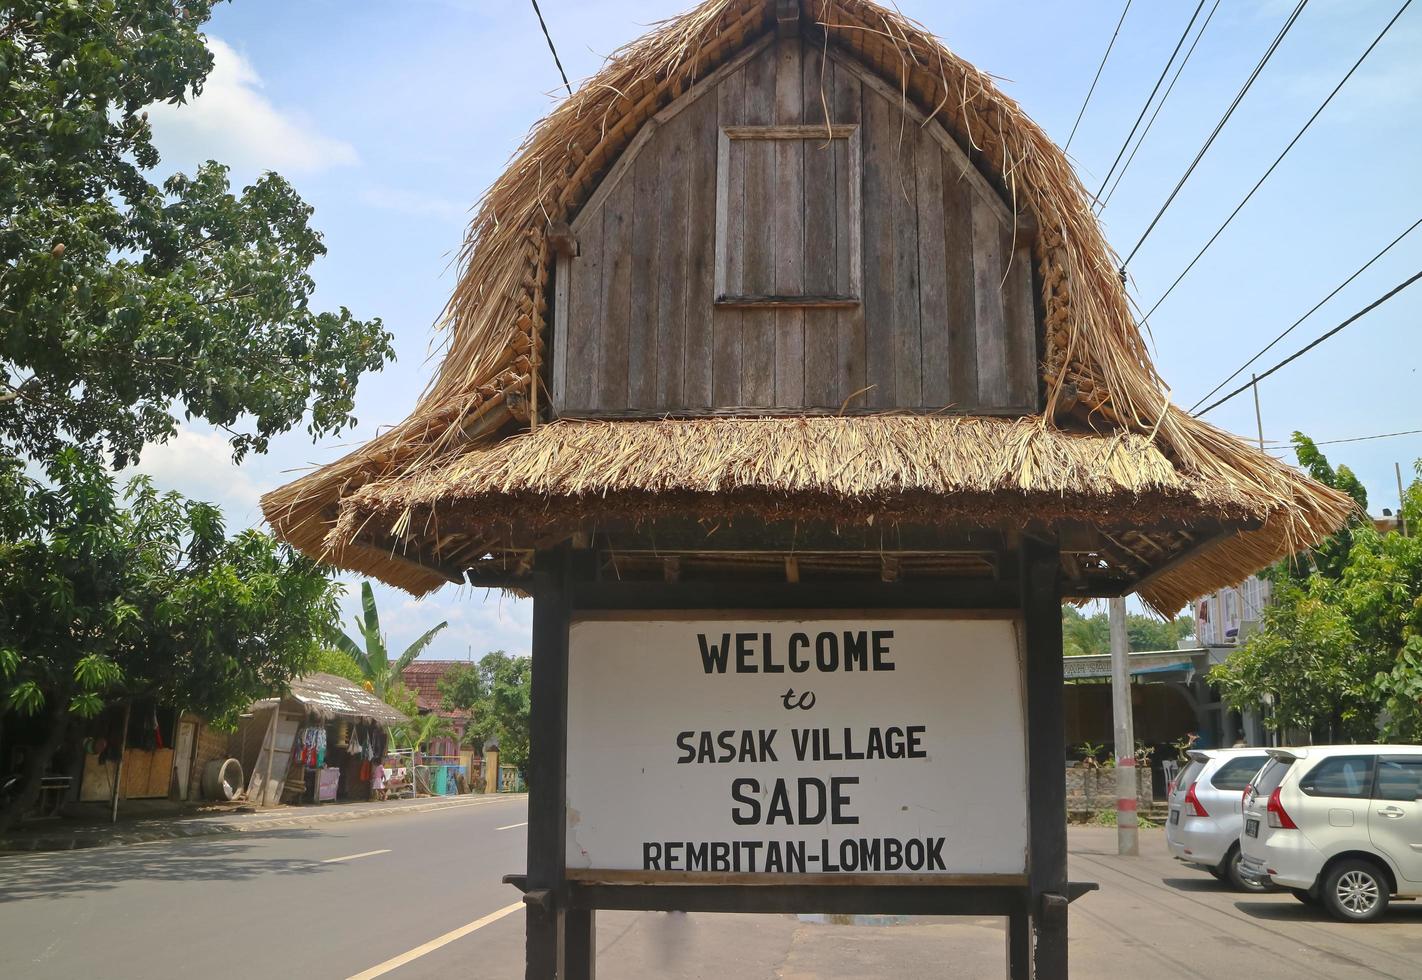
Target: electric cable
(1312, 310)
(1150, 98)
(1260, 182)
(549, 38)
(1087, 101)
(1381, 435)
(1239, 97)
(1158, 106)
(1314, 343)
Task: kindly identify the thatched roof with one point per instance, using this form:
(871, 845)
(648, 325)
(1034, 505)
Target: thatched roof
(1108, 441)
(329, 696)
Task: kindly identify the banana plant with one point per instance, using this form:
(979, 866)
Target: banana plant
(371, 652)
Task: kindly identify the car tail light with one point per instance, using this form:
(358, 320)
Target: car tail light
(1170, 789)
(1278, 816)
(1244, 797)
(1194, 801)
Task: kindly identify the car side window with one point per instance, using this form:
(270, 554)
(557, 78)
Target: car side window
(1235, 774)
(1345, 776)
(1399, 779)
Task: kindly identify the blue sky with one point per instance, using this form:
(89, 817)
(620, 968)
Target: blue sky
(392, 119)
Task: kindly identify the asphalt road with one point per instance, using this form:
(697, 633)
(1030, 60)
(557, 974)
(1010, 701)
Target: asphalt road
(419, 896)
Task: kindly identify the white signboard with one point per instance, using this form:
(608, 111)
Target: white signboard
(796, 746)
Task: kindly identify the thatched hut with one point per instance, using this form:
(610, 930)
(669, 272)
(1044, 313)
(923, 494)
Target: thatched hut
(721, 412)
(787, 309)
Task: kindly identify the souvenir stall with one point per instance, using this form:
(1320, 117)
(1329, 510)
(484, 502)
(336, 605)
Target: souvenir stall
(324, 741)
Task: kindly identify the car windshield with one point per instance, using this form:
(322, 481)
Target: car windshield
(1235, 774)
(1271, 775)
(1188, 775)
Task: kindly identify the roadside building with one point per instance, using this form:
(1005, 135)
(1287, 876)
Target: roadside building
(319, 742)
(447, 752)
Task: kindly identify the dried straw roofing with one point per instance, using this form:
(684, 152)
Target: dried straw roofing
(1096, 371)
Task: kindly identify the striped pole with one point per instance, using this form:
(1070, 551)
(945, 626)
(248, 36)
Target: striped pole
(1126, 820)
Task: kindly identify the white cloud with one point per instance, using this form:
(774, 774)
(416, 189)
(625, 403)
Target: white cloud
(199, 466)
(232, 121)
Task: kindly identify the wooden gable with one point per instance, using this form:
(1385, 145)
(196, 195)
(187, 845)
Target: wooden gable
(791, 235)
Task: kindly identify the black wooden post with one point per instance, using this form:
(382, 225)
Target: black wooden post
(547, 764)
(1046, 758)
(580, 943)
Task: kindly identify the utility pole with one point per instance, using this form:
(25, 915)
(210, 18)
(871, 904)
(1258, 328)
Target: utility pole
(1126, 818)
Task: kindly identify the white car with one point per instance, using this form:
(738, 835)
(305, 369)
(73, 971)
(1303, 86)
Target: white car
(1206, 817)
(1338, 825)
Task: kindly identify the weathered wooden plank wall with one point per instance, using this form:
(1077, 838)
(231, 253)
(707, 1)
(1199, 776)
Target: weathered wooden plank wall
(944, 316)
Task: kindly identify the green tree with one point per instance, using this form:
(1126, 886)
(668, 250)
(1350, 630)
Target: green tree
(1306, 662)
(331, 661)
(1340, 652)
(462, 687)
(126, 306)
(1331, 556)
(109, 597)
(1084, 636)
(422, 730)
(371, 653)
(1091, 635)
(123, 302)
(497, 698)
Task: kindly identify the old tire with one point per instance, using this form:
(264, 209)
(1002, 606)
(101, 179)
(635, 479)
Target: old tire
(1355, 890)
(1230, 873)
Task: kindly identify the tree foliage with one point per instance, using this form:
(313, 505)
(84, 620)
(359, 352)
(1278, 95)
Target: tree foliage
(1091, 635)
(1340, 651)
(421, 731)
(371, 652)
(496, 693)
(122, 301)
(108, 596)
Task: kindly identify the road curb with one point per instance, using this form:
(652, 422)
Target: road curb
(181, 830)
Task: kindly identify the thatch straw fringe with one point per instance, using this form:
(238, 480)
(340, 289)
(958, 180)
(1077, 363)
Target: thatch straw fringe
(987, 471)
(1096, 369)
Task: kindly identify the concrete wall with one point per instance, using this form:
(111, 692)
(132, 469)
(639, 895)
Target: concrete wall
(1093, 790)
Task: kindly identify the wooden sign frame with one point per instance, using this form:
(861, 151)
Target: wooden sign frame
(562, 908)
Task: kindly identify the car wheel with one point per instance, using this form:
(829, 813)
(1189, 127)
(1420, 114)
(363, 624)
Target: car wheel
(1236, 880)
(1355, 891)
(1304, 895)
(1217, 872)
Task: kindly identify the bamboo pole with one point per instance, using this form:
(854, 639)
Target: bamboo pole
(271, 751)
(118, 773)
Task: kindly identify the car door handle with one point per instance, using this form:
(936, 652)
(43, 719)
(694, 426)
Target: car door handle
(1390, 811)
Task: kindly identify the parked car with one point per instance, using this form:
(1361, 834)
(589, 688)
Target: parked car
(1206, 816)
(1338, 825)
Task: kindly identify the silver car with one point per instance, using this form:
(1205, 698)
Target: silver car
(1206, 812)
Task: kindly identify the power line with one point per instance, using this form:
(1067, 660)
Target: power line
(1089, 91)
(1297, 136)
(1312, 310)
(1239, 97)
(1151, 98)
(1381, 435)
(1160, 105)
(549, 38)
(1310, 346)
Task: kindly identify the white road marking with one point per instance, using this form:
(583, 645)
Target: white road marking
(398, 961)
(513, 826)
(352, 857)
